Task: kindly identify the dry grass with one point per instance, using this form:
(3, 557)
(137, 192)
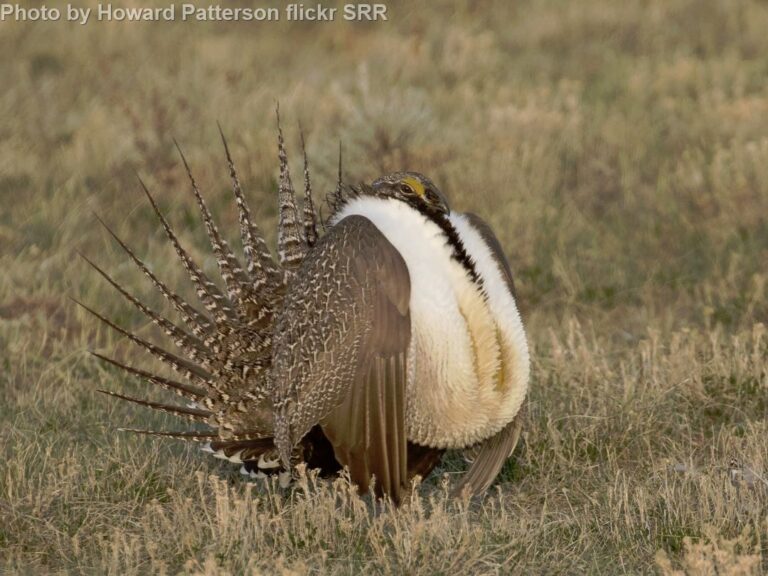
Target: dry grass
(621, 154)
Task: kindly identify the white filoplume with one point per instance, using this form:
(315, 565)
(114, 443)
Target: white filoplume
(468, 359)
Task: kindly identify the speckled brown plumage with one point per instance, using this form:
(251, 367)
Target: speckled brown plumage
(340, 344)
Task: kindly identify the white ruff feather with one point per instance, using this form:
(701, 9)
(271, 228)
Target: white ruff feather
(468, 360)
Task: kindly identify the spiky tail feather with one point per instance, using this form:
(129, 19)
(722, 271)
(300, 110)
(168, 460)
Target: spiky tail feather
(308, 207)
(291, 245)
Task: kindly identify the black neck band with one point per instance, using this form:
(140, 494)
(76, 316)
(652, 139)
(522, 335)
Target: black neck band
(459, 252)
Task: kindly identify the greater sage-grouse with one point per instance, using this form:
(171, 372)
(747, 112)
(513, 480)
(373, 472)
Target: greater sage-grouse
(377, 346)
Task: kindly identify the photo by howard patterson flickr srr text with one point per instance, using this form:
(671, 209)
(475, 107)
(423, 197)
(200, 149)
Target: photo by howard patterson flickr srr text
(188, 12)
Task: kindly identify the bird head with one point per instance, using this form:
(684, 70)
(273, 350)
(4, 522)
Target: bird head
(414, 189)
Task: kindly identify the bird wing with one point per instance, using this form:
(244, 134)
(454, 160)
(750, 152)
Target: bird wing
(340, 354)
(490, 454)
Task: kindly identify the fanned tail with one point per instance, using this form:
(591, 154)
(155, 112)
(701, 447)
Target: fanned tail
(226, 349)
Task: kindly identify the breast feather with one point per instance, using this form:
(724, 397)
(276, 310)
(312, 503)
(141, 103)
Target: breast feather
(459, 348)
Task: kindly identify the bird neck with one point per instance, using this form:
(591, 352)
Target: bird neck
(459, 251)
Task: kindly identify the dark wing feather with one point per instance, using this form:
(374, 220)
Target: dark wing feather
(490, 454)
(490, 457)
(340, 354)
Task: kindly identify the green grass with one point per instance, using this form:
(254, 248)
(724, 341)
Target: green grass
(619, 151)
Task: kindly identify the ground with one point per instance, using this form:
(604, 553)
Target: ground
(620, 151)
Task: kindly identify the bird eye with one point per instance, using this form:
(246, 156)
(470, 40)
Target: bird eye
(405, 189)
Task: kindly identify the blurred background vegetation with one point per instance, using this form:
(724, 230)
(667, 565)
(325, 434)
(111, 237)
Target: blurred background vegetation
(620, 151)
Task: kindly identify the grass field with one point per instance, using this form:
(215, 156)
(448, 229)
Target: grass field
(621, 154)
